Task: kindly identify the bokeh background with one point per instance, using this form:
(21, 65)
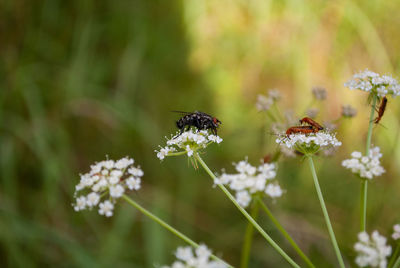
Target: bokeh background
(82, 80)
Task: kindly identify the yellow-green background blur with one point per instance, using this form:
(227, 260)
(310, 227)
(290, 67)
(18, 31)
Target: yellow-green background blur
(80, 80)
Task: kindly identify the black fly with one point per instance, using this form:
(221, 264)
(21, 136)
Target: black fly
(199, 120)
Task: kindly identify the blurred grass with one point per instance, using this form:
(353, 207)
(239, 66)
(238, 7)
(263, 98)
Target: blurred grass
(84, 79)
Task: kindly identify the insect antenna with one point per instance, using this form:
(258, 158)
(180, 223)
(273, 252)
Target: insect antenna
(180, 112)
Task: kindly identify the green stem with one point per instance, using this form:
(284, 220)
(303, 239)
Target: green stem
(397, 263)
(393, 258)
(325, 212)
(364, 183)
(248, 217)
(284, 233)
(177, 153)
(248, 238)
(363, 204)
(167, 226)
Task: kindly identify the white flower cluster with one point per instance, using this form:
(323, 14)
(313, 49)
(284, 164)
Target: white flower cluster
(319, 93)
(251, 180)
(188, 142)
(365, 166)
(372, 82)
(312, 141)
(199, 259)
(372, 251)
(396, 232)
(348, 111)
(107, 179)
(264, 102)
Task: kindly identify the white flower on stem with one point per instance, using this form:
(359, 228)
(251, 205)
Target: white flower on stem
(372, 250)
(371, 82)
(243, 198)
(106, 208)
(133, 183)
(107, 180)
(92, 199)
(366, 167)
(251, 180)
(80, 203)
(396, 232)
(274, 94)
(188, 143)
(309, 143)
(319, 93)
(116, 191)
(197, 258)
(273, 190)
(348, 111)
(264, 103)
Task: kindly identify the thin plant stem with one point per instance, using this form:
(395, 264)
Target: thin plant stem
(284, 233)
(364, 183)
(397, 263)
(248, 217)
(325, 212)
(167, 226)
(393, 258)
(248, 237)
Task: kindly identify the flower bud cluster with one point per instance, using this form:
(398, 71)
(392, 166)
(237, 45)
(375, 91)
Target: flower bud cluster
(309, 143)
(372, 250)
(188, 142)
(200, 258)
(250, 180)
(264, 103)
(368, 81)
(107, 180)
(396, 232)
(365, 166)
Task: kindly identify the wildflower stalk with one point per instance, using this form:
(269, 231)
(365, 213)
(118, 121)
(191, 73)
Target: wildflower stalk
(397, 263)
(325, 212)
(244, 212)
(394, 256)
(167, 226)
(284, 233)
(364, 183)
(248, 237)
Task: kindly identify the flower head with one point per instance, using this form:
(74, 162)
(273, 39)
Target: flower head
(396, 232)
(264, 103)
(319, 93)
(107, 180)
(309, 143)
(348, 111)
(195, 258)
(250, 180)
(365, 166)
(374, 83)
(188, 142)
(372, 250)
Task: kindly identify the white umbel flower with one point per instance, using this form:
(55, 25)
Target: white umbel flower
(188, 143)
(366, 167)
(371, 82)
(250, 180)
(319, 93)
(309, 143)
(107, 180)
(198, 258)
(372, 250)
(396, 232)
(106, 208)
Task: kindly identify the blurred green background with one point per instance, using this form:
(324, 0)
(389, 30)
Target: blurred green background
(81, 80)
